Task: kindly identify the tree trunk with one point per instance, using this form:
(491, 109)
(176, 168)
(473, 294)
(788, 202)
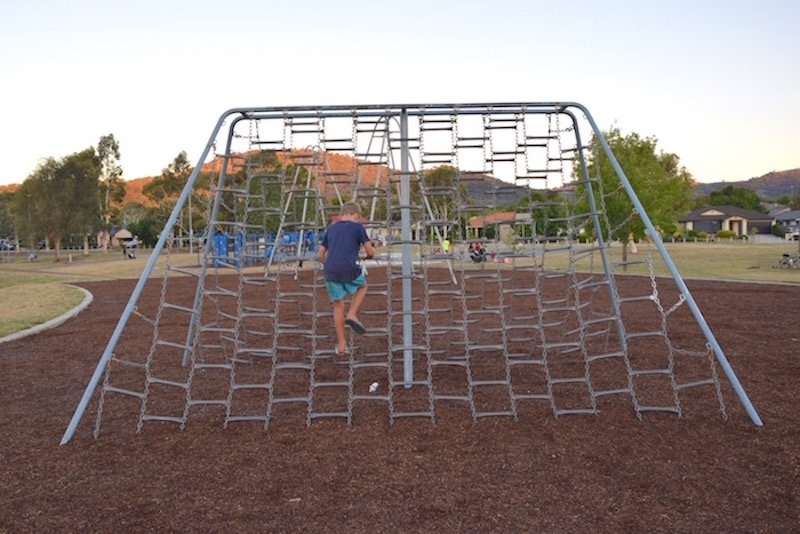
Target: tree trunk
(85, 245)
(624, 255)
(105, 239)
(106, 219)
(191, 247)
(57, 248)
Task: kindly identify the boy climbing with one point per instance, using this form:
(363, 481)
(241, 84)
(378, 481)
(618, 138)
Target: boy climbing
(339, 252)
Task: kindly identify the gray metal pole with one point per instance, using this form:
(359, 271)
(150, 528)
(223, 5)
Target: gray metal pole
(148, 268)
(612, 286)
(656, 239)
(191, 231)
(405, 235)
(210, 226)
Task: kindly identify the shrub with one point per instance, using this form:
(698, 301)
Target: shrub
(779, 230)
(726, 234)
(145, 231)
(668, 228)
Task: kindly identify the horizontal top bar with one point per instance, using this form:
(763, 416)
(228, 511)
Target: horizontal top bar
(373, 110)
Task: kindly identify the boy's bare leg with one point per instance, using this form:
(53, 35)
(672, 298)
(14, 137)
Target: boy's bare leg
(338, 324)
(355, 304)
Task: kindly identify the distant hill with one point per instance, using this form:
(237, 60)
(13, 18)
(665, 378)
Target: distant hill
(483, 189)
(480, 187)
(133, 191)
(771, 186)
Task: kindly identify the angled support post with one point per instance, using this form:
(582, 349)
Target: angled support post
(129, 308)
(656, 239)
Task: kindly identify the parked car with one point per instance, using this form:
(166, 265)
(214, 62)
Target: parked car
(6, 245)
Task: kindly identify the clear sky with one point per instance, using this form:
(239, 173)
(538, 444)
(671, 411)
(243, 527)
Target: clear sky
(716, 81)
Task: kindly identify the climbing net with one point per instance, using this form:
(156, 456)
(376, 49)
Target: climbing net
(495, 289)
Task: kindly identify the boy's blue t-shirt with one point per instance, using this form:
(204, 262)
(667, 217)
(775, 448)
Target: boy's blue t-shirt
(342, 242)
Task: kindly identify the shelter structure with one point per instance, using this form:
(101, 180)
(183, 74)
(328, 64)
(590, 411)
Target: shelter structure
(121, 237)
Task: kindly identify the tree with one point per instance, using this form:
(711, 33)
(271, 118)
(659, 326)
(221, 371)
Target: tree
(699, 201)
(442, 191)
(737, 196)
(792, 201)
(7, 229)
(166, 189)
(169, 184)
(144, 230)
(260, 193)
(661, 184)
(544, 207)
(135, 211)
(59, 198)
(111, 187)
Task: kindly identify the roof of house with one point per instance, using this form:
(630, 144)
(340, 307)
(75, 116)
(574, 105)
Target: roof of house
(788, 216)
(777, 209)
(479, 221)
(720, 213)
(123, 234)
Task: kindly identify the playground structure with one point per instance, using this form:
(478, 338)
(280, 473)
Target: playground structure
(544, 321)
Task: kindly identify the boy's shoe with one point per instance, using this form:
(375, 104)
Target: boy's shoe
(337, 353)
(357, 327)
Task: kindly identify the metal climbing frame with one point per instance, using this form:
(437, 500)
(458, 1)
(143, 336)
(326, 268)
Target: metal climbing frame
(533, 320)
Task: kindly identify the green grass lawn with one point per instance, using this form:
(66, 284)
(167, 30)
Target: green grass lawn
(34, 292)
(29, 304)
(735, 261)
(97, 265)
(720, 261)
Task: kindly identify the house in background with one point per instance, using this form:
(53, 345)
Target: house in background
(790, 220)
(777, 209)
(712, 219)
(503, 221)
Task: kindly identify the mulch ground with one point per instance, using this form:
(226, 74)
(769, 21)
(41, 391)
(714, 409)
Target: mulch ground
(610, 472)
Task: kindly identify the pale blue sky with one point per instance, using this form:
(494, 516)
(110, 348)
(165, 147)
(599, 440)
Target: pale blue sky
(717, 82)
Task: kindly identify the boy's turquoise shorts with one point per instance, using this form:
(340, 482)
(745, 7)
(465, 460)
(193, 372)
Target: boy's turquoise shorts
(337, 290)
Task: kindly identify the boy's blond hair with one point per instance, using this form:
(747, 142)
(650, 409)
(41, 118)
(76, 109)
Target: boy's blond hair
(350, 208)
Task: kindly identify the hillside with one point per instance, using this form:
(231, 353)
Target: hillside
(133, 191)
(482, 188)
(770, 186)
(485, 189)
